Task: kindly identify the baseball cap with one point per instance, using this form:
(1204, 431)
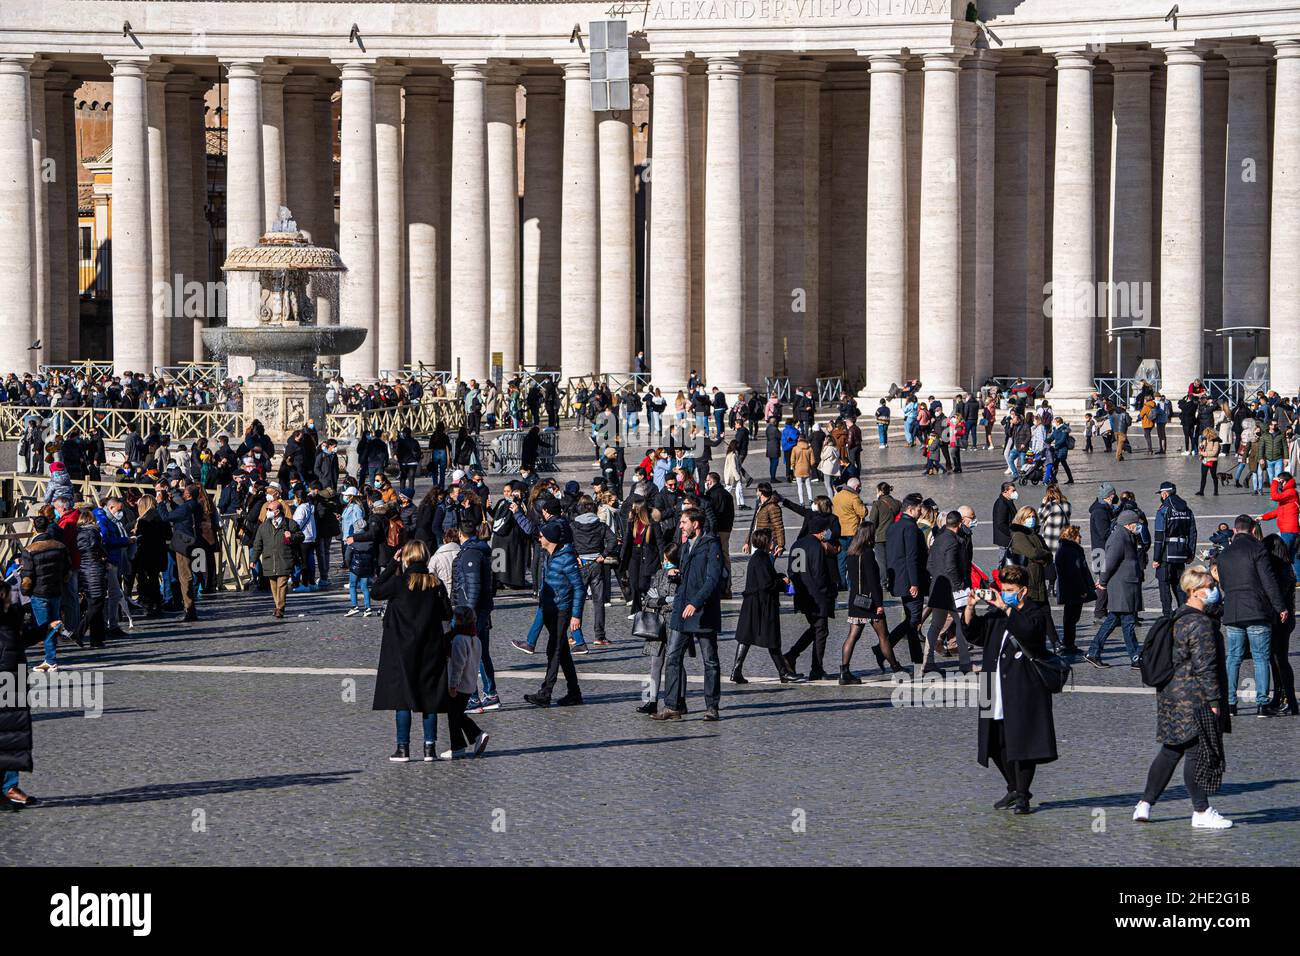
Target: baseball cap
(350, 491)
(1168, 486)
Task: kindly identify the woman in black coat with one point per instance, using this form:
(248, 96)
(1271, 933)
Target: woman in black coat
(92, 576)
(866, 603)
(15, 722)
(640, 553)
(153, 541)
(413, 653)
(1015, 719)
(759, 623)
(1279, 647)
(1074, 584)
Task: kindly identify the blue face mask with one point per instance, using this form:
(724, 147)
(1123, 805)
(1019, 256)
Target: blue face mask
(668, 565)
(1030, 522)
(1011, 599)
(1214, 595)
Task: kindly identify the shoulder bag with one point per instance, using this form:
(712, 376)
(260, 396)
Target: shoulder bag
(1053, 671)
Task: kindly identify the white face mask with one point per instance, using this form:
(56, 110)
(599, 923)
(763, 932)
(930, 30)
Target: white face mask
(277, 521)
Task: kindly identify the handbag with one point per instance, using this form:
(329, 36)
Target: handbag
(1053, 671)
(649, 626)
(860, 604)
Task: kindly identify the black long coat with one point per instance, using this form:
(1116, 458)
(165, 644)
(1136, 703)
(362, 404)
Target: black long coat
(15, 722)
(759, 622)
(413, 653)
(516, 546)
(816, 585)
(1027, 723)
(949, 567)
(1074, 582)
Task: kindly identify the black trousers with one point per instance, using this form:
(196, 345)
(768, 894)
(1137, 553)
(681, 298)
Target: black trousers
(1019, 774)
(1212, 471)
(461, 728)
(1072, 611)
(596, 578)
(910, 627)
(1162, 770)
(1279, 650)
(815, 634)
(1171, 595)
(558, 657)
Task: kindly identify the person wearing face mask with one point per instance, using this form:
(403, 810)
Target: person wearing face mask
(1121, 582)
(1030, 551)
(1191, 716)
(274, 548)
(1004, 509)
(1016, 731)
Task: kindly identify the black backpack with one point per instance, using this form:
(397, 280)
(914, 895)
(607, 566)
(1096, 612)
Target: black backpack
(1157, 658)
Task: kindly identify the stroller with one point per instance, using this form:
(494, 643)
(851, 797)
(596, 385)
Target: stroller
(1035, 466)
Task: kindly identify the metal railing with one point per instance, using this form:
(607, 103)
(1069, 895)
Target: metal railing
(421, 417)
(113, 424)
(427, 377)
(779, 385)
(207, 375)
(829, 390)
(95, 369)
(25, 495)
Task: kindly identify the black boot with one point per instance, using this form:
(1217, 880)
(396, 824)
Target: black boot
(846, 676)
(736, 676)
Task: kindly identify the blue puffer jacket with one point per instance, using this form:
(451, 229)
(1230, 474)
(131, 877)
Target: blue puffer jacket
(474, 581)
(562, 587)
(116, 541)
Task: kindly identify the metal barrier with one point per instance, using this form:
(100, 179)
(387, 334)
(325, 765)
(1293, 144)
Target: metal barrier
(429, 378)
(95, 369)
(505, 454)
(781, 386)
(421, 417)
(207, 375)
(829, 390)
(183, 424)
(25, 495)
(1004, 382)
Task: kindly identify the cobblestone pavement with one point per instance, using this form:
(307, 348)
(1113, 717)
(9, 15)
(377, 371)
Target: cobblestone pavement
(235, 741)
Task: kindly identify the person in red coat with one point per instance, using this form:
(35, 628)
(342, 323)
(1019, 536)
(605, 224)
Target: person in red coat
(1286, 514)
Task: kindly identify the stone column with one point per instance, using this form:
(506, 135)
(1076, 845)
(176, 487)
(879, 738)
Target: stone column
(797, 206)
(724, 263)
(1129, 303)
(200, 237)
(1214, 175)
(359, 219)
(668, 328)
(245, 199)
(697, 109)
(160, 272)
(422, 194)
(55, 333)
(1284, 249)
(757, 175)
(274, 188)
(18, 212)
(40, 213)
(503, 217)
(886, 229)
(1019, 213)
(187, 292)
(1074, 278)
(470, 302)
(68, 116)
(1182, 251)
(1103, 103)
(940, 227)
(580, 229)
(845, 224)
(132, 255)
(444, 136)
(978, 122)
(543, 157)
(391, 323)
(1246, 198)
(325, 232)
(301, 143)
(617, 242)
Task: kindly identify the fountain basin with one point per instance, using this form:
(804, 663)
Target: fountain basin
(284, 350)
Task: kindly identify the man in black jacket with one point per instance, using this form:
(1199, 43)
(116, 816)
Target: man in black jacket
(45, 564)
(596, 547)
(949, 564)
(906, 556)
(1004, 509)
(815, 589)
(1251, 602)
(772, 439)
(723, 507)
(1174, 545)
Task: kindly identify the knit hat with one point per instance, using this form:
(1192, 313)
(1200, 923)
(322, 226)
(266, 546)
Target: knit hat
(1105, 490)
(555, 532)
(56, 466)
(1127, 518)
(818, 523)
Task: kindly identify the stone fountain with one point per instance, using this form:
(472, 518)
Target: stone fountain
(284, 391)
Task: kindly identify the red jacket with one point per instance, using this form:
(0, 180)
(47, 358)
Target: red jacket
(68, 529)
(1287, 512)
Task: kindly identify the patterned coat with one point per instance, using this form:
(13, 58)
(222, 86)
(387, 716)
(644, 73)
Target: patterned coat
(1199, 678)
(1052, 520)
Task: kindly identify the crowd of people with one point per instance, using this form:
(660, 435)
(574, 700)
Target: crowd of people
(660, 535)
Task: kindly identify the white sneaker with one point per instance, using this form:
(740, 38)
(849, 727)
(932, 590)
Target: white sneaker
(1186, 453)
(352, 612)
(1211, 819)
(480, 745)
(1142, 812)
(453, 755)
(43, 667)
(1007, 472)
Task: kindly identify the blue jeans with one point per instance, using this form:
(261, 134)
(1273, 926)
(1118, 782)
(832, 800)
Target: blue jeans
(654, 423)
(882, 432)
(843, 558)
(535, 631)
(719, 416)
(633, 422)
(1015, 460)
(1290, 538)
(702, 422)
(1275, 468)
(10, 780)
(674, 675)
(70, 606)
(45, 610)
(1258, 635)
(909, 430)
(438, 467)
(353, 583)
(1128, 623)
(404, 728)
(486, 672)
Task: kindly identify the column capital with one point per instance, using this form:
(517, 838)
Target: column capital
(1033, 65)
(761, 64)
(1245, 56)
(981, 60)
(275, 72)
(126, 65)
(1130, 61)
(725, 66)
(39, 68)
(1184, 56)
(667, 65)
(389, 75)
(887, 62)
(468, 70)
(357, 69)
(14, 62)
(1286, 49)
(243, 69)
(157, 72)
(1074, 59)
(422, 84)
(942, 61)
(577, 69)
